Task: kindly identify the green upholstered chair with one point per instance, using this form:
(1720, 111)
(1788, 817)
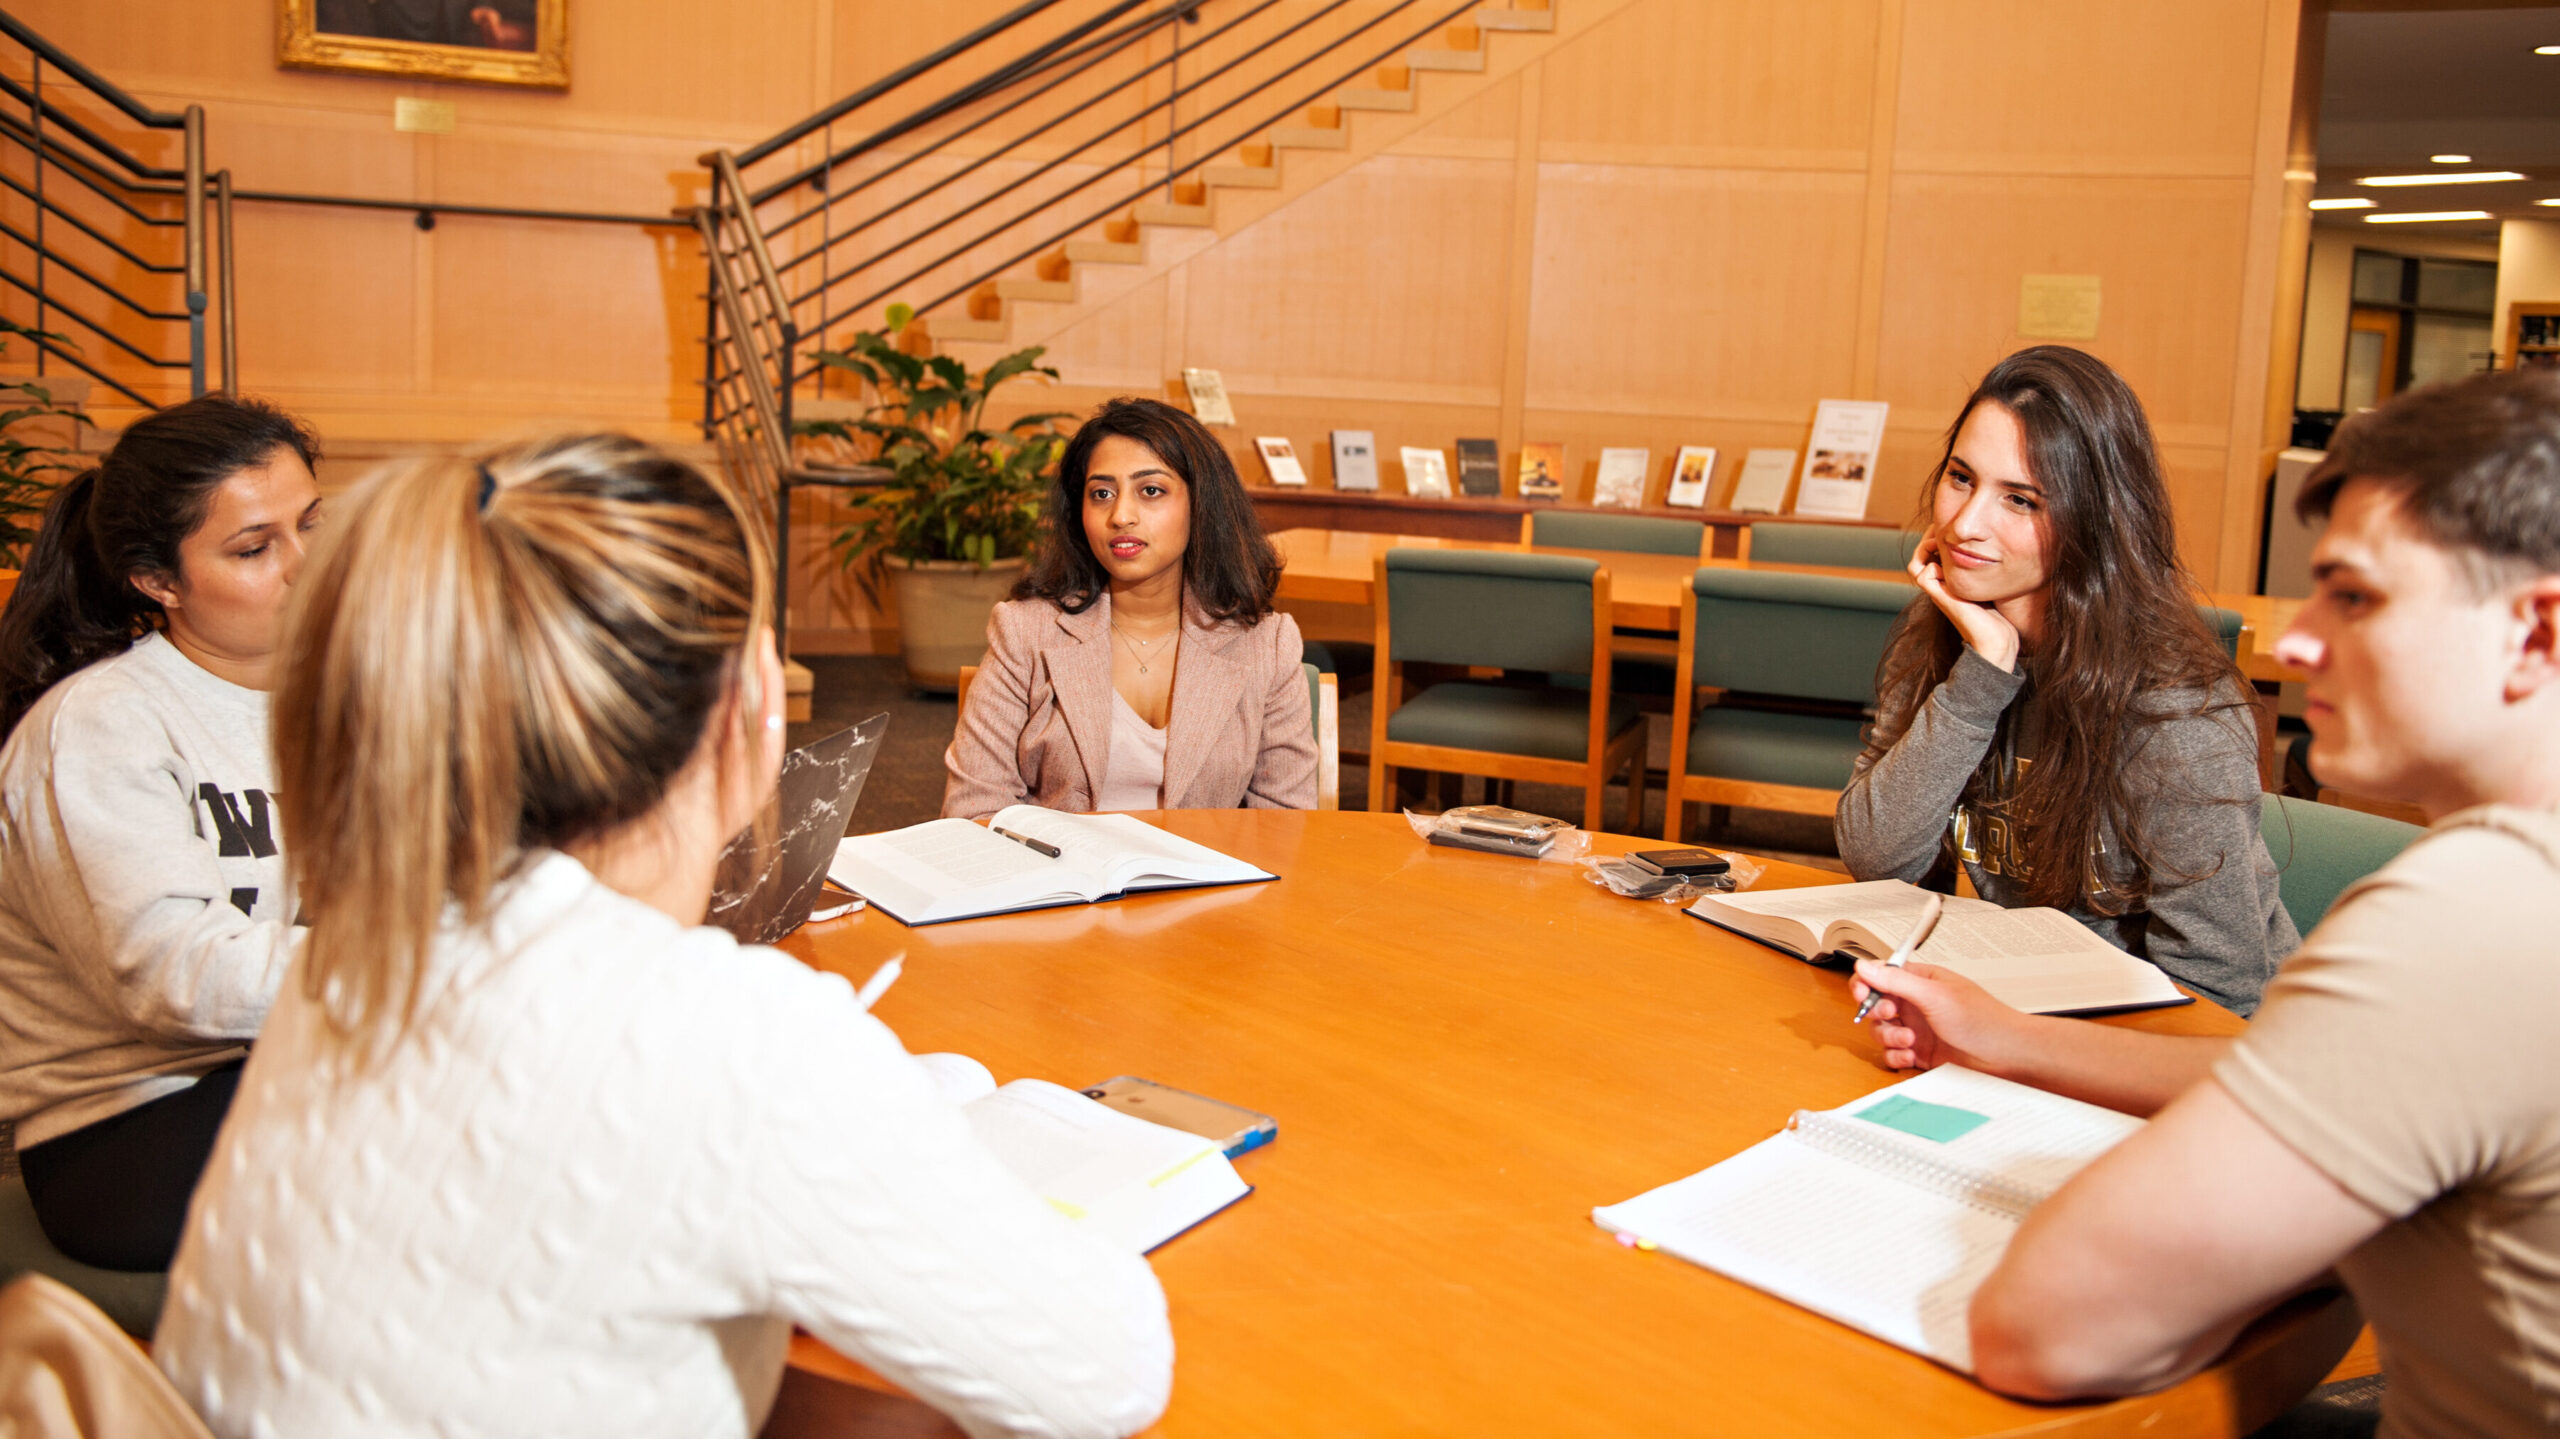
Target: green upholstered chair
(1592, 530)
(1795, 656)
(1646, 666)
(1856, 547)
(1502, 610)
(2226, 625)
(2320, 849)
(132, 1300)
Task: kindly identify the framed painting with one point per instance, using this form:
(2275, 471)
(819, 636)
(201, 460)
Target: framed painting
(492, 42)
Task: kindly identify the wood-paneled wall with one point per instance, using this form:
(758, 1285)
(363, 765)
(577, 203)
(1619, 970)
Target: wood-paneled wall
(1682, 226)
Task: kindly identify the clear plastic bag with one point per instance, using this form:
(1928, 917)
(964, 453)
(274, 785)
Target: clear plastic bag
(1615, 874)
(1495, 829)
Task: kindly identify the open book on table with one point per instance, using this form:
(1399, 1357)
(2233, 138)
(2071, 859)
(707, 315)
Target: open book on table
(1885, 1214)
(953, 869)
(1134, 1183)
(2040, 960)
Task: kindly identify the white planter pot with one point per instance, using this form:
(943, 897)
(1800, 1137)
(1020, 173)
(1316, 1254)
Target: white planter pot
(942, 614)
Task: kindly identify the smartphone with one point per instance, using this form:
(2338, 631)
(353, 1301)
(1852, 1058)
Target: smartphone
(1236, 1130)
(1686, 863)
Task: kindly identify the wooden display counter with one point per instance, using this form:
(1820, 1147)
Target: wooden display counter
(1469, 517)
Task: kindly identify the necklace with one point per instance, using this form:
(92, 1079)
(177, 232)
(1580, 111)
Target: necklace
(1142, 651)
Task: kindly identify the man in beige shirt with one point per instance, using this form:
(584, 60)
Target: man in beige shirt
(2394, 1110)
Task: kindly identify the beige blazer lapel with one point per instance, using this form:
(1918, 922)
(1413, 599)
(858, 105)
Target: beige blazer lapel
(1080, 675)
(1207, 683)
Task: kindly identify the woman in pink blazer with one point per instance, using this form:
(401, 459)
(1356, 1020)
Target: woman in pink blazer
(1140, 665)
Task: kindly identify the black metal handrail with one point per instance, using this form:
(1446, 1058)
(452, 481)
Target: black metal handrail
(1173, 174)
(110, 210)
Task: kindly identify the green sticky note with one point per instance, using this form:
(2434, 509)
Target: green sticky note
(1936, 1122)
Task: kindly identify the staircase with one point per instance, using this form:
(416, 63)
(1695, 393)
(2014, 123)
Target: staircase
(1040, 167)
(117, 268)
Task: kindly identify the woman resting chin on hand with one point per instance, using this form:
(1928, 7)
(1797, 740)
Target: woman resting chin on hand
(1140, 665)
(2053, 715)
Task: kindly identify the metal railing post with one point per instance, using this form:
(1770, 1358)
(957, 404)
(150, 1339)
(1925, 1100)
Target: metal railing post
(225, 294)
(195, 249)
(36, 115)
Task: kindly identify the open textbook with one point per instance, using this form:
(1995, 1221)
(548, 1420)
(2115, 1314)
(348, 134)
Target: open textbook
(2040, 960)
(953, 869)
(1886, 1214)
(1136, 1184)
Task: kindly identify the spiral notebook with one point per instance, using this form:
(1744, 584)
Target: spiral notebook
(1886, 1214)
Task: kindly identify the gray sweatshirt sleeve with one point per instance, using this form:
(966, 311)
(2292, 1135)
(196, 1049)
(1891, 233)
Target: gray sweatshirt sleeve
(1894, 812)
(2215, 921)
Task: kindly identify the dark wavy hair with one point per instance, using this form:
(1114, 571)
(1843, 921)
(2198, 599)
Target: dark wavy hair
(2123, 647)
(76, 603)
(1230, 569)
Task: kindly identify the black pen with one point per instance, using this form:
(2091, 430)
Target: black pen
(1051, 850)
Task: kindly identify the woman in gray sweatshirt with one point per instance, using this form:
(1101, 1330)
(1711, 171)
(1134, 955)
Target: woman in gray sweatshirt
(2053, 715)
(144, 920)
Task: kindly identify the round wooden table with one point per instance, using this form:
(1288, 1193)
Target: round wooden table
(1466, 1052)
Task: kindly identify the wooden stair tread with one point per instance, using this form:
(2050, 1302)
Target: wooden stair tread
(969, 327)
(1165, 212)
(1516, 20)
(1247, 177)
(1107, 252)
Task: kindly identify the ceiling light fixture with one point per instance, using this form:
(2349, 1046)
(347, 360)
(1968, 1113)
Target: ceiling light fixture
(2421, 217)
(2554, 202)
(2358, 203)
(2459, 177)
(2546, 49)
(2450, 159)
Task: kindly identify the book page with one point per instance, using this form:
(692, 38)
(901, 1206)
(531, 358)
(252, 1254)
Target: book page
(1124, 852)
(2044, 962)
(1841, 1240)
(1132, 1181)
(1874, 907)
(921, 871)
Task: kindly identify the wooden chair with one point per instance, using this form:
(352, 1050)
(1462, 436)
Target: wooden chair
(2320, 849)
(1635, 534)
(1796, 657)
(1856, 547)
(1324, 702)
(1501, 610)
(8, 586)
(968, 675)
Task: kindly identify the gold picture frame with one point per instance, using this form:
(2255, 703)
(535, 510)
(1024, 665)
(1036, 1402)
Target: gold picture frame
(506, 42)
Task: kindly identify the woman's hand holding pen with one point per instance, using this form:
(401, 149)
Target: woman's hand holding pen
(1926, 1016)
(1985, 630)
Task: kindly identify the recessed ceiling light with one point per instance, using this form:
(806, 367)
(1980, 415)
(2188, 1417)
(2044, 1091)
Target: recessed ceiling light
(2546, 49)
(2555, 201)
(2458, 177)
(2422, 217)
(2450, 159)
(2358, 203)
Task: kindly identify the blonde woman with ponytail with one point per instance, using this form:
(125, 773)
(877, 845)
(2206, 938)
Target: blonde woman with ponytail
(524, 1148)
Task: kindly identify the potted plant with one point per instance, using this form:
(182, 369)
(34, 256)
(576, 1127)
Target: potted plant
(29, 470)
(954, 525)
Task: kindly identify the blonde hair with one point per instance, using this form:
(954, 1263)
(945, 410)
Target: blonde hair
(491, 656)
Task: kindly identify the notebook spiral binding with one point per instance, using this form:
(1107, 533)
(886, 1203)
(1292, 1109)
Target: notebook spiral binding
(1842, 1137)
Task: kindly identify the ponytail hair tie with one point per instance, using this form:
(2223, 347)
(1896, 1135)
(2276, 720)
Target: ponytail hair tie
(488, 488)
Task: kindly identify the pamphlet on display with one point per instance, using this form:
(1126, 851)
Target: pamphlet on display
(1840, 460)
